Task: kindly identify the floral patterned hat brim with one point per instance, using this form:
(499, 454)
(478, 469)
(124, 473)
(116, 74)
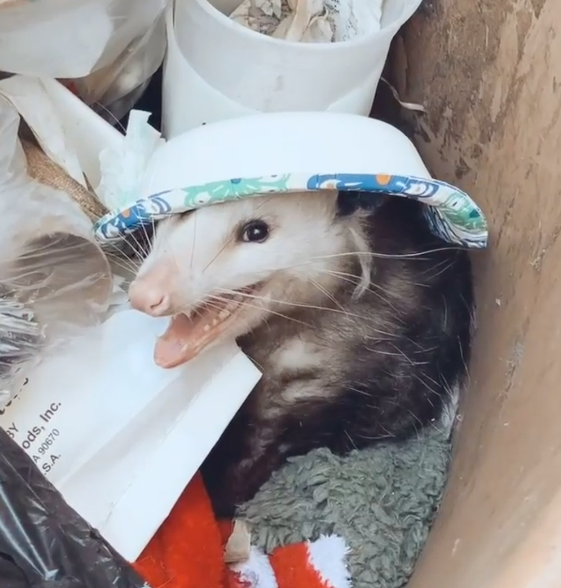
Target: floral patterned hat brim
(451, 213)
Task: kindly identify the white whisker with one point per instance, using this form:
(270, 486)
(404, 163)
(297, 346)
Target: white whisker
(294, 304)
(324, 291)
(243, 303)
(308, 306)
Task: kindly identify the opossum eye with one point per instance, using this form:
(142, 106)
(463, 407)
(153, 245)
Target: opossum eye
(255, 231)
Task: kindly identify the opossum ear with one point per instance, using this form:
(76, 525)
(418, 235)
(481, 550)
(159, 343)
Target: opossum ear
(349, 202)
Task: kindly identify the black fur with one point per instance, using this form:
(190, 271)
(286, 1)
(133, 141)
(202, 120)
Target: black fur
(389, 372)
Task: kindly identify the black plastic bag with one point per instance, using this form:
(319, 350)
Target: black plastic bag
(43, 542)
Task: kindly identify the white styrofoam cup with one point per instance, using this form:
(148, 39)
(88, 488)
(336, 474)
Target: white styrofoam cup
(218, 69)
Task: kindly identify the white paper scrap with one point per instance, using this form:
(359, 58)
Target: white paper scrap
(120, 437)
(122, 166)
(311, 21)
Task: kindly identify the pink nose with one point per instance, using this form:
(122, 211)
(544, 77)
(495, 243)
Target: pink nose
(148, 299)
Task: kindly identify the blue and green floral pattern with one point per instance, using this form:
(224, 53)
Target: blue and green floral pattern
(451, 213)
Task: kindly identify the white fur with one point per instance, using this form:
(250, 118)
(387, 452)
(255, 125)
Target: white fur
(328, 556)
(198, 255)
(297, 354)
(257, 571)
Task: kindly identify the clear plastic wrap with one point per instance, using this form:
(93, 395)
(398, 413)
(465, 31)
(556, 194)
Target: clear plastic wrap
(113, 90)
(55, 285)
(107, 50)
(54, 279)
(20, 338)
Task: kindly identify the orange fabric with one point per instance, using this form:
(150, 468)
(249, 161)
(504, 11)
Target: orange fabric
(187, 550)
(293, 568)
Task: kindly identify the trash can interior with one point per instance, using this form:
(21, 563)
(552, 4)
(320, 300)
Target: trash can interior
(489, 77)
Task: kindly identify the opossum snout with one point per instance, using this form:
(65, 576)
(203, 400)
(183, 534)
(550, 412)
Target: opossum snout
(151, 301)
(150, 293)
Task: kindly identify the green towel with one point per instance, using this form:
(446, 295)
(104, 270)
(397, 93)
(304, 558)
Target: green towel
(381, 500)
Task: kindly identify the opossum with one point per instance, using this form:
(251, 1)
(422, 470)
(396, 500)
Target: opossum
(358, 316)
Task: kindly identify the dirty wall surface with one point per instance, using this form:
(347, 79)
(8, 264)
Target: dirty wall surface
(489, 74)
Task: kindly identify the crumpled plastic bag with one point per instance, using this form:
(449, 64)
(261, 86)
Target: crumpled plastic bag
(43, 542)
(54, 279)
(21, 337)
(108, 49)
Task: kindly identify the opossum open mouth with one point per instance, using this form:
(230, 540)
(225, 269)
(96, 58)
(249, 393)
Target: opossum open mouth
(187, 336)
